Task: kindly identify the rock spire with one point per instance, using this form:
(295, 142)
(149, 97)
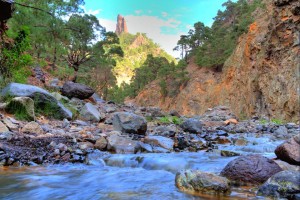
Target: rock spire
(121, 25)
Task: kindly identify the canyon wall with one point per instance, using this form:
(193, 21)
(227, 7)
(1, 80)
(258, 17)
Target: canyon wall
(260, 78)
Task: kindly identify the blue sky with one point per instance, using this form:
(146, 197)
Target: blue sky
(162, 20)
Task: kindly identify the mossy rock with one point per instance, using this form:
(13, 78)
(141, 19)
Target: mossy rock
(22, 108)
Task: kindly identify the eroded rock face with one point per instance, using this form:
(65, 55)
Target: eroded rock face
(201, 182)
(284, 184)
(289, 151)
(259, 78)
(250, 169)
(77, 90)
(129, 123)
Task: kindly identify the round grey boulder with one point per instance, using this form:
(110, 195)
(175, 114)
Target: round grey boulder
(129, 123)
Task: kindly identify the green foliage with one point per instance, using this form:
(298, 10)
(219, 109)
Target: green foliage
(212, 46)
(277, 121)
(19, 111)
(170, 120)
(263, 121)
(14, 59)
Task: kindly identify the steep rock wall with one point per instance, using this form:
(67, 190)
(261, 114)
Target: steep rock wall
(260, 78)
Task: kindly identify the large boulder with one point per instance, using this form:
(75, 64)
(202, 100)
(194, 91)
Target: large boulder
(192, 125)
(119, 144)
(77, 90)
(90, 113)
(129, 123)
(289, 151)
(43, 100)
(284, 184)
(250, 169)
(201, 182)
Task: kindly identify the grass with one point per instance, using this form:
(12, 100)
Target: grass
(170, 120)
(274, 121)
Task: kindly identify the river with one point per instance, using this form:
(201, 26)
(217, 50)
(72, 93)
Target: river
(120, 176)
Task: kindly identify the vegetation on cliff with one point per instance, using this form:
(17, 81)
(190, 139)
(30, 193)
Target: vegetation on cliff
(213, 45)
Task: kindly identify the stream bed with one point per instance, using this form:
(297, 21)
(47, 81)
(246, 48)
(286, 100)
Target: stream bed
(123, 176)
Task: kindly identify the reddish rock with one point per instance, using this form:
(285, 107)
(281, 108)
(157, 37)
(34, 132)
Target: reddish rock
(250, 169)
(121, 25)
(289, 151)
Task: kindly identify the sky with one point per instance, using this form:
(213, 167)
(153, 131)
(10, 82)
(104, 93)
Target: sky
(162, 20)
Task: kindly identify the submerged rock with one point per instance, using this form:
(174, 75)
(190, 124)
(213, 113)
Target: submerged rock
(250, 169)
(201, 182)
(284, 184)
(289, 151)
(129, 123)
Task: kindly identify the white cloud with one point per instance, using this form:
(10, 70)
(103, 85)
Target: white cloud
(138, 11)
(150, 25)
(164, 14)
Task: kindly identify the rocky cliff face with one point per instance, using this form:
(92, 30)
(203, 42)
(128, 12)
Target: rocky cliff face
(260, 78)
(121, 25)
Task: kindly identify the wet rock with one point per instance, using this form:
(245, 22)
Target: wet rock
(286, 166)
(223, 140)
(95, 158)
(289, 150)
(77, 90)
(3, 128)
(226, 153)
(160, 141)
(241, 142)
(129, 123)
(41, 97)
(192, 126)
(101, 143)
(6, 135)
(90, 113)
(250, 170)
(33, 128)
(281, 132)
(146, 147)
(182, 142)
(118, 144)
(201, 182)
(284, 184)
(23, 106)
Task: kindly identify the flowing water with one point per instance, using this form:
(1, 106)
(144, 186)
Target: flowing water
(115, 176)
